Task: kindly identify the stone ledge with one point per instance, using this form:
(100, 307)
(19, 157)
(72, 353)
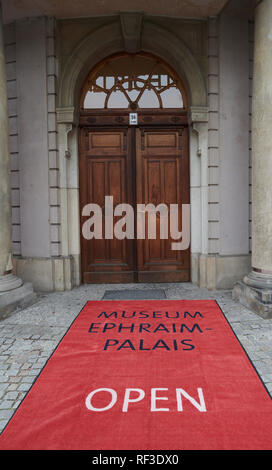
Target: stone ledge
(47, 274)
(19, 298)
(222, 272)
(257, 300)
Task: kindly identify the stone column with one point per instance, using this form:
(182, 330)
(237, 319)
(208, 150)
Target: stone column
(256, 290)
(11, 292)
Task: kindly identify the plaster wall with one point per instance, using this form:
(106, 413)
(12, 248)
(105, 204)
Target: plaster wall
(48, 186)
(32, 77)
(33, 141)
(233, 135)
(229, 94)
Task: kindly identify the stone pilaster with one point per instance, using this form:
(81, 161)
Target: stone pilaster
(12, 291)
(199, 118)
(256, 289)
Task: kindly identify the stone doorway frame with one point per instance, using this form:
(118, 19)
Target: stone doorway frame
(130, 33)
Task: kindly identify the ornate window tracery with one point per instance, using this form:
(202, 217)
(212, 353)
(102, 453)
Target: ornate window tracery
(132, 81)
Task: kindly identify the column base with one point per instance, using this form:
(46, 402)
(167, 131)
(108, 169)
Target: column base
(9, 282)
(18, 298)
(256, 299)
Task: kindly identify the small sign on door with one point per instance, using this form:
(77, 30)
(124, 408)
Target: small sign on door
(133, 119)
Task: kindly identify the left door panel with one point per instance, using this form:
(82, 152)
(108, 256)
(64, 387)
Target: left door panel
(106, 170)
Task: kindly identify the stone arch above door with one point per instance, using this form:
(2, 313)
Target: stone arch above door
(109, 40)
(99, 44)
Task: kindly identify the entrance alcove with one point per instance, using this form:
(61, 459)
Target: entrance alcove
(151, 41)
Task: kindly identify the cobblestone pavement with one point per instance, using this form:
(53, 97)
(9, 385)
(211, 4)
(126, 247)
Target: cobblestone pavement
(28, 337)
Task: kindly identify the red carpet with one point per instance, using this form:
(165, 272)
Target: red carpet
(173, 376)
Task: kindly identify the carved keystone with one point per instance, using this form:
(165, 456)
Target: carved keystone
(131, 24)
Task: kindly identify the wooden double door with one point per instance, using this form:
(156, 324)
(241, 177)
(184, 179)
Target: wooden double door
(134, 165)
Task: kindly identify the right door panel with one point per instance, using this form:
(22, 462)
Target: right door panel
(162, 177)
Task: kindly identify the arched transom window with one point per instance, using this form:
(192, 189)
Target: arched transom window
(132, 81)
